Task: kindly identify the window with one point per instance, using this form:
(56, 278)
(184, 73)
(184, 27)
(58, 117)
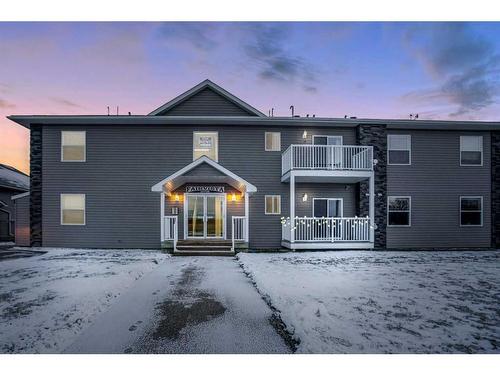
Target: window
(327, 207)
(273, 141)
(471, 150)
(334, 140)
(399, 211)
(471, 211)
(73, 146)
(399, 149)
(72, 209)
(273, 204)
(205, 143)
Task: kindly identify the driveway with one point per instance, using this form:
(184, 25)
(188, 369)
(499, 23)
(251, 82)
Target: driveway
(186, 305)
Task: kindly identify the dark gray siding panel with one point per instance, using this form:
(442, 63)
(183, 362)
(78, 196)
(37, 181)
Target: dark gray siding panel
(206, 103)
(22, 221)
(435, 181)
(124, 162)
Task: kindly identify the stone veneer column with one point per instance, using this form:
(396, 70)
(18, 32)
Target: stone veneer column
(495, 189)
(376, 136)
(36, 185)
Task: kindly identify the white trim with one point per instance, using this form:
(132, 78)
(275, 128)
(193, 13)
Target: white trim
(397, 149)
(224, 215)
(328, 136)
(279, 204)
(204, 159)
(409, 210)
(14, 197)
(460, 210)
(84, 208)
(328, 205)
(84, 146)
(216, 146)
(279, 142)
(202, 85)
(482, 152)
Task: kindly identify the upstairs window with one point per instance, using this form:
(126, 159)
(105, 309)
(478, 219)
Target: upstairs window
(273, 141)
(206, 144)
(399, 149)
(72, 209)
(399, 211)
(471, 150)
(73, 146)
(273, 204)
(471, 211)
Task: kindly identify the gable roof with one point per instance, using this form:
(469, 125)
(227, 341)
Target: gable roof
(204, 159)
(13, 179)
(204, 87)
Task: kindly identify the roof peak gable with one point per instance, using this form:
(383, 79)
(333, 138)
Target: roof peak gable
(206, 84)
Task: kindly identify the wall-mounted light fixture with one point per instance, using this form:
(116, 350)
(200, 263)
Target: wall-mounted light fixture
(233, 197)
(304, 135)
(176, 197)
(304, 197)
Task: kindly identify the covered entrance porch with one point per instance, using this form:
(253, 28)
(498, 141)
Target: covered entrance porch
(204, 208)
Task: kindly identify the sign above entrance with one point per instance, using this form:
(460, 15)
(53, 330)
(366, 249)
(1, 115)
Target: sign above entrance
(204, 189)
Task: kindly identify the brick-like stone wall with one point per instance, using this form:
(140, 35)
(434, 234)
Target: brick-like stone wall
(376, 136)
(495, 189)
(36, 185)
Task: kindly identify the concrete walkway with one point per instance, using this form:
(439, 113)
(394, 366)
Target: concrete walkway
(186, 305)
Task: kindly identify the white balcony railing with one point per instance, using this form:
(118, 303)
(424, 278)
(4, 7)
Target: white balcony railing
(323, 157)
(329, 229)
(170, 232)
(239, 230)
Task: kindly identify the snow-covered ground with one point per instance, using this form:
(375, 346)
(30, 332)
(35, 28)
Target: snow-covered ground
(47, 300)
(384, 302)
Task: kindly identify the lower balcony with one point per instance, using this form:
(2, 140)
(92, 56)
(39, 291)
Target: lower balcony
(304, 233)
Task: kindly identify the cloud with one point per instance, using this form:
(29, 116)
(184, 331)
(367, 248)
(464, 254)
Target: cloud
(265, 47)
(200, 35)
(66, 102)
(464, 65)
(6, 105)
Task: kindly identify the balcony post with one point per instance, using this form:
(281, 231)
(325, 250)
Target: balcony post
(292, 207)
(247, 218)
(371, 210)
(162, 216)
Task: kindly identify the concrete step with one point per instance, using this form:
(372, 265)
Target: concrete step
(203, 253)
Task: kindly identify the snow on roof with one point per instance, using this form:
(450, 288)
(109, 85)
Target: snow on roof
(11, 178)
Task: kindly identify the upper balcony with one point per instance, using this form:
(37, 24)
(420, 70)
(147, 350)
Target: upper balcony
(327, 161)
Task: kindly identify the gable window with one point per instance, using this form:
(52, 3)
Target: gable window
(471, 211)
(399, 149)
(471, 150)
(206, 144)
(273, 204)
(273, 141)
(72, 209)
(399, 211)
(73, 145)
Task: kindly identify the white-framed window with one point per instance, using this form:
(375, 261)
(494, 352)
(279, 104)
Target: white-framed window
(206, 144)
(273, 141)
(332, 140)
(273, 204)
(471, 150)
(471, 211)
(72, 209)
(398, 211)
(399, 149)
(328, 207)
(73, 146)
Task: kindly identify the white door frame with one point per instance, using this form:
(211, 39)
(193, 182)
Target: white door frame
(186, 211)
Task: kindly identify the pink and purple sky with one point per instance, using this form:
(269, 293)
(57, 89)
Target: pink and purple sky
(384, 70)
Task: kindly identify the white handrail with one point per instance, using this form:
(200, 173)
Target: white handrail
(327, 229)
(238, 230)
(327, 157)
(170, 229)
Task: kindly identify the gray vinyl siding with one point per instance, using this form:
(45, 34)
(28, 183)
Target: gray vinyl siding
(206, 103)
(22, 215)
(435, 181)
(123, 162)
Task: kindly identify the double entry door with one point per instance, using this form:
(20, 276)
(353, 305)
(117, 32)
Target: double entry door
(205, 216)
